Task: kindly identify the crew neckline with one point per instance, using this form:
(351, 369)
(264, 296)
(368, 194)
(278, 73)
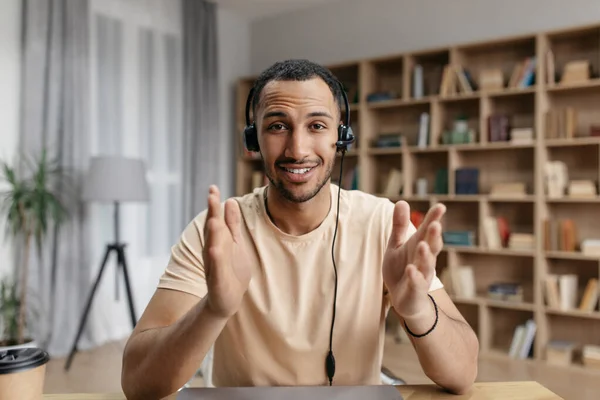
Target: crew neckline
(318, 231)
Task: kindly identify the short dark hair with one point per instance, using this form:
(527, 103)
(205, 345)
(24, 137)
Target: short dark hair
(296, 70)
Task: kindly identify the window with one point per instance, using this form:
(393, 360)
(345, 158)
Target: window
(136, 90)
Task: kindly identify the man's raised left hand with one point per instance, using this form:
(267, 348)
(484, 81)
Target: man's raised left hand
(409, 265)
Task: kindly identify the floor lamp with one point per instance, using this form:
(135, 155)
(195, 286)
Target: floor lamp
(113, 180)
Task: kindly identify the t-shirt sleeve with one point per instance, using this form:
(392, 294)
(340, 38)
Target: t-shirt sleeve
(436, 283)
(185, 269)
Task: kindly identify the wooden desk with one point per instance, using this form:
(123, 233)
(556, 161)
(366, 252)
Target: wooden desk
(480, 391)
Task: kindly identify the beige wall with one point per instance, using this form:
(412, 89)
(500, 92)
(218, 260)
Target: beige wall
(351, 29)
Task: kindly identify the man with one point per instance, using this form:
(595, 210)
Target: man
(255, 277)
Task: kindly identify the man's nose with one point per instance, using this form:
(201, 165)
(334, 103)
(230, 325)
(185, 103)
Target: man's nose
(298, 145)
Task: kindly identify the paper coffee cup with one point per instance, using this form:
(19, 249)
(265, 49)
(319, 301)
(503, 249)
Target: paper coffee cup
(22, 373)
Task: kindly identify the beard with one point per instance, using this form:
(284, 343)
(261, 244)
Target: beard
(308, 193)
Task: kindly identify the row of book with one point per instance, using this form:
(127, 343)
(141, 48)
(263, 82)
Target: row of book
(456, 79)
(521, 346)
(500, 129)
(498, 235)
(561, 123)
(560, 235)
(562, 293)
(459, 282)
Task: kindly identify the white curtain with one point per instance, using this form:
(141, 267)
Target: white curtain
(136, 111)
(55, 116)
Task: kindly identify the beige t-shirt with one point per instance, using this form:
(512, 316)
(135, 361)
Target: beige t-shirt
(280, 335)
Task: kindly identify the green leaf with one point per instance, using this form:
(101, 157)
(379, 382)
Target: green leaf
(32, 204)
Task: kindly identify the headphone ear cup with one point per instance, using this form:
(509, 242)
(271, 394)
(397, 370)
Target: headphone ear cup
(345, 137)
(349, 135)
(251, 138)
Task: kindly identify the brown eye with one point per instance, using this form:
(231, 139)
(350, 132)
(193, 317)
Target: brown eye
(276, 127)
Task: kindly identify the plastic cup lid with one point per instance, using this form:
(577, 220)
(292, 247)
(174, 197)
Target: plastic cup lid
(22, 359)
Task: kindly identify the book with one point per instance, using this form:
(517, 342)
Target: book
(423, 130)
(522, 342)
(394, 183)
(567, 288)
(467, 181)
(590, 296)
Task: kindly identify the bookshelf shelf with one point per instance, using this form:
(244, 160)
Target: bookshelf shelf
(497, 252)
(581, 141)
(400, 103)
(491, 146)
(520, 306)
(385, 151)
(570, 255)
(459, 98)
(511, 92)
(595, 199)
(591, 85)
(489, 129)
(510, 199)
(574, 313)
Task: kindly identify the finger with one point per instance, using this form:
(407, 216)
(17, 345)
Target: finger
(425, 260)
(214, 208)
(214, 202)
(435, 213)
(233, 219)
(415, 279)
(434, 237)
(212, 243)
(400, 224)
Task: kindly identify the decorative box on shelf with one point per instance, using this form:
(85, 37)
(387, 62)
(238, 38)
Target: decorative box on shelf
(506, 291)
(560, 352)
(459, 238)
(591, 356)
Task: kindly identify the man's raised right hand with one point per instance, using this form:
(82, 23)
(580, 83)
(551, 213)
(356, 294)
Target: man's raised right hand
(226, 261)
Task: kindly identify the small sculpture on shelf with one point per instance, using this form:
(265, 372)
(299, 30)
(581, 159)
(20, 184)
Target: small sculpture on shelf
(461, 133)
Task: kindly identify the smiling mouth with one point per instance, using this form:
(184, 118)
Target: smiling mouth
(298, 171)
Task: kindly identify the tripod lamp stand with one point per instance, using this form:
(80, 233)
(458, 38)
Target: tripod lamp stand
(113, 180)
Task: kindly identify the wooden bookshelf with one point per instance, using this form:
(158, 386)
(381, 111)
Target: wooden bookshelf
(464, 132)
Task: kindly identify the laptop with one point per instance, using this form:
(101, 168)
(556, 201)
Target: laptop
(373, 392)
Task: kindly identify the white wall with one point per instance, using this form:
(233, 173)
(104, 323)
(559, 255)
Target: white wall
(234, 61)
(10, 39)
(354, 29)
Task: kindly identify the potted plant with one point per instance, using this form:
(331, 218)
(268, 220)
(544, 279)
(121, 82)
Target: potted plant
(32, 205)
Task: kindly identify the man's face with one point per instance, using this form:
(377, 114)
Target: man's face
(297, 123)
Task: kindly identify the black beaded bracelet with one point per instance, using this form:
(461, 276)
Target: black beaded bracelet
(434, 324)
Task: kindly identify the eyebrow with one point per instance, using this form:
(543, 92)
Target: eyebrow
(281, 114)
(270, 114)
(320, 114)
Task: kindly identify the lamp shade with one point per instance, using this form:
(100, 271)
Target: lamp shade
(120, 179)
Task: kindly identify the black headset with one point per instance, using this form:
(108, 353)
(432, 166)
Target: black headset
(345, 138)
(345, 134)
